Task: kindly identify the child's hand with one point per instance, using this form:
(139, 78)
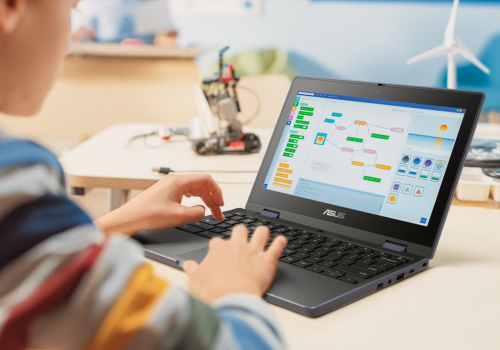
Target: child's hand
(236, 265)
(159, 207)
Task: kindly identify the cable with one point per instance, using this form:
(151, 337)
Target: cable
(257, 111)
(167, 171)
(141, 135)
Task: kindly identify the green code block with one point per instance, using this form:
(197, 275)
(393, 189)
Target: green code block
(293, 140)
(291, 150)
(304, 104)
(302, 122)
(295, 104)
(300, 117)
(423, 177)
(288, 155)
(369, 178)
(291, 145)
(354, 139)
(300, 137)
(298, 126)
(378, 136)
(305, 113)
(306, 109)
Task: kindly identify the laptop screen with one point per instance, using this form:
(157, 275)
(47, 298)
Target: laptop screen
(376, 156)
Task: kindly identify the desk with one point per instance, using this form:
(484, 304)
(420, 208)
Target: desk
(453, 305)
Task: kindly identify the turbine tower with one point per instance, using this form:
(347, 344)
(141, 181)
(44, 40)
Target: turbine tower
(451, 47)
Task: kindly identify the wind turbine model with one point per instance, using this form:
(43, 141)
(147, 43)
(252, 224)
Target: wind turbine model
(451, 46)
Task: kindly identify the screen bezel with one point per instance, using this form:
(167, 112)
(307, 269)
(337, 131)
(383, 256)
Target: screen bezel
(393, 228)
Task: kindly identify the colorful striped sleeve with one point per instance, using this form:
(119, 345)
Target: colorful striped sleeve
(64, 285)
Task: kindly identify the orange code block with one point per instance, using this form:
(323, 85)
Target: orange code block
(357, 163)
(385, 167)
(284, 165)
(280, 185)
(282, 175)
(359, 122)
(277, 179)
(288, 171)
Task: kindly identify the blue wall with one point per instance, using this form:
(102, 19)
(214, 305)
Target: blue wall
(352, 40)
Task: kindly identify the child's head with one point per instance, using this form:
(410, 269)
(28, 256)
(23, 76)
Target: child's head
(34, 36)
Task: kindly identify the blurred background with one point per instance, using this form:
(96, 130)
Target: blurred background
(139, 60)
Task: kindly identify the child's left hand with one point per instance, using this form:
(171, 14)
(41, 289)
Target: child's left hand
(159, 207)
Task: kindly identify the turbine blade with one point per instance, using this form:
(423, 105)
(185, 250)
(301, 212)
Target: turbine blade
(437, 51)
(449, 33)
(464, 51)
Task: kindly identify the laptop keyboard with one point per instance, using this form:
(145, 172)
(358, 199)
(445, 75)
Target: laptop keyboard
(317, 253)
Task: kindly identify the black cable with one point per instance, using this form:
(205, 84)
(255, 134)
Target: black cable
(167, 171)
(259, 105)
(141, 135)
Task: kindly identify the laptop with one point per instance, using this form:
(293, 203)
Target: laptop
(359, 177)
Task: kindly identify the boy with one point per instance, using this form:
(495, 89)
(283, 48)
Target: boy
(66, 284)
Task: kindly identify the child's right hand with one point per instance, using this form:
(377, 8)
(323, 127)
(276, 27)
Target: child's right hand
(236, 265)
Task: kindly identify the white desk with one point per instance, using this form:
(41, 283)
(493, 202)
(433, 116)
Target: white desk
(455, 304)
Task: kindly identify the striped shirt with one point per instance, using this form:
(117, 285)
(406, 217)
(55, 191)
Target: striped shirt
(64, 285)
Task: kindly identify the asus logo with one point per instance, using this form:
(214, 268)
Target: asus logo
(334, 214)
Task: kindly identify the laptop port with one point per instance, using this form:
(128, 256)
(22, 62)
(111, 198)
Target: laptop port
(389, 282)
(424, 265)
(380, 286)
(400, 276)
(412, 271)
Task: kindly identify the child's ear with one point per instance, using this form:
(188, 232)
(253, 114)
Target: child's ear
(10, 13)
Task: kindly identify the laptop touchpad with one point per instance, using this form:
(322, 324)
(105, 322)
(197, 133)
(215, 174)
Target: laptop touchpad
(196, 255)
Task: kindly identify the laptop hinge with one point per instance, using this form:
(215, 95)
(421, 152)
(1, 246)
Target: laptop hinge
(394, 246)
(270, 213)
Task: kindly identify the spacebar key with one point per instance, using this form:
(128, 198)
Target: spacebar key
(353, 271)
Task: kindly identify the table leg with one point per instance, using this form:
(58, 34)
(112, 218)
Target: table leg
(117, 198)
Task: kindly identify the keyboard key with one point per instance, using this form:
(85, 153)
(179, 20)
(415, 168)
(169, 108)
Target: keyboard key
(210, 221)
(201, 225)
(326, 249)
(248, 221)
(343, 247)
(217, 230)
(357, 251)
(231, 222)
(354, 272)
(371, 255)
(289, 259)
(334, 274)
(390, 260)
(306, 236)
(313, 245)
(301, 241)
(305, 250)
(302, 263)
(301, 255)
(354, 257)
(332, 258)
(189, 228)
(338, 253)
(369, 268)
(228, 214)
(327, 263)
(318, 253)
(317, 240)
(223, 225)
(225, 233)
(209, 234)
(383, 265)
(236, 217)
(348, 279)
(294, 246)
(316, 269)
(289, 251)
(272, 227)
(346, 262)
(330, 243)
(368, 261)
(314, 259)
